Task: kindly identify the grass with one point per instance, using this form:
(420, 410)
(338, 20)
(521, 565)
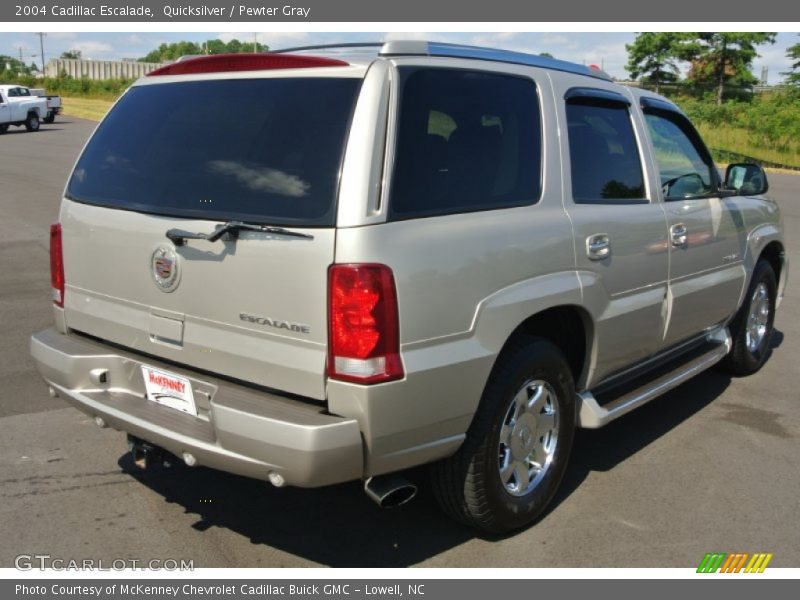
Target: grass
(740, 140)
(85, 108)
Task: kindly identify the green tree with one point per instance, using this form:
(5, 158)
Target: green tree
(167, 52)
(546, 54)
(174, 50)
(71, 54)
(652, 57)
(722, 58)
(11, 69)
(793, 76)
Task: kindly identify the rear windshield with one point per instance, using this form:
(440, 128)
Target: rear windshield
(258, 150)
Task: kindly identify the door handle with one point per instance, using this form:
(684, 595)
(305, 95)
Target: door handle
(678, 234)
(598, 246)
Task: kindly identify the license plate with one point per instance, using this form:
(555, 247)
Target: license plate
(169, 390)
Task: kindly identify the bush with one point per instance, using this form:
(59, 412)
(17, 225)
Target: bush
(107, 89)
(771, 118)
(87, 88)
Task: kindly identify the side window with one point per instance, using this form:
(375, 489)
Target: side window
(684, 167)
(605, 159)
(466, 141)
(24, 92)
(13, 92)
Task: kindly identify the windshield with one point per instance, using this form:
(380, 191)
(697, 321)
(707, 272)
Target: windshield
(258, 150)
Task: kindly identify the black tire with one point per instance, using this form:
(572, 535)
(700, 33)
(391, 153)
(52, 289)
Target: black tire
(746, 357)
(32, 122)
(468, 485)
(3, 127)
(50, 118)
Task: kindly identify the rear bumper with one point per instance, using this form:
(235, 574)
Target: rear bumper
(238, 429)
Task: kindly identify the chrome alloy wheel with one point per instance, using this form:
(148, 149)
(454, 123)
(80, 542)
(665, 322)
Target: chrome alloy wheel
(758, 319)
(528, 437)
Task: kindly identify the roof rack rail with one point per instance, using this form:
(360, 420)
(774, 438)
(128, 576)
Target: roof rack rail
(330, 47)
(421, 48)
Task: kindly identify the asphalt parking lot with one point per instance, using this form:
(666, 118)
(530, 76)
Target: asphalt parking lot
(712, 466)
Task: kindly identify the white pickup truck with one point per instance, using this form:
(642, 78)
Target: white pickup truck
(18, 107)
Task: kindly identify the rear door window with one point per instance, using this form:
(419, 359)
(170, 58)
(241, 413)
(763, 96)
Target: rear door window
(605, 159)
(258, 150)
(467, 141)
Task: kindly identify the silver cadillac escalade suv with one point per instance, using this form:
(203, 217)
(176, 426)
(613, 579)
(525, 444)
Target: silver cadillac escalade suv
(334, 264)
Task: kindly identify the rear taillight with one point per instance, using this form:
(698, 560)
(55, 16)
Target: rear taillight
(364, 336)
(56, 265)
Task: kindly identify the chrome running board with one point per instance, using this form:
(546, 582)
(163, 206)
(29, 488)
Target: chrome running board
(592, 415)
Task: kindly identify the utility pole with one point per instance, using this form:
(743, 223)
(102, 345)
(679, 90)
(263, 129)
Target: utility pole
(41, 47)
(22, 58)
(255, 43)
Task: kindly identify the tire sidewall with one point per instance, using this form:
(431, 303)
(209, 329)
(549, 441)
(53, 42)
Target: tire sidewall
(32, 122)
(763, 274)
(546, 363)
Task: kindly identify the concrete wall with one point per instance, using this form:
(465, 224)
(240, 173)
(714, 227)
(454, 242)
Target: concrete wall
(98, 69)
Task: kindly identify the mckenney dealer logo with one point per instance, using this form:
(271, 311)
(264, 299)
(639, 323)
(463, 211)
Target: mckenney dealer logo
(167, 382)
(736, 562)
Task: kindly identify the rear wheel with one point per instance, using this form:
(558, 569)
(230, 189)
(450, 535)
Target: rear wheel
(752, 328)
(516, 451)
(3, 127)
(50, 118)
(32, 122)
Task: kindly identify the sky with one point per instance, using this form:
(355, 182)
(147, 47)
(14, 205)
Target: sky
(604, 49)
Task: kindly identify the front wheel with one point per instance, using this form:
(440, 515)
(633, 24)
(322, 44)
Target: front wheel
(516, 450)
(32, 122)
(751, 329)
(3, 127)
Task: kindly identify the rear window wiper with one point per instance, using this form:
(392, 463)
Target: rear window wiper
(232, 228)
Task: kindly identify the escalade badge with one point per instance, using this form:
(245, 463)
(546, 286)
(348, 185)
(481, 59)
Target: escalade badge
(164, 268)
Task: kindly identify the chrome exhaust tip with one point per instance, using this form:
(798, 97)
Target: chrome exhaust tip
(389, 491)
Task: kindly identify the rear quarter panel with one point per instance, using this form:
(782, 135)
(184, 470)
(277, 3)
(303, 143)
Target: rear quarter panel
(465, 282)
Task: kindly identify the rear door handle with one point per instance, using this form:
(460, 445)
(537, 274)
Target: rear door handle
(678, 234)
(598, 246)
